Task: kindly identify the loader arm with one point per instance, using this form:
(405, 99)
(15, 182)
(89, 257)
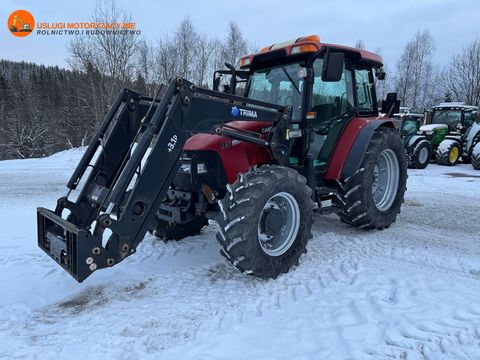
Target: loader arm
(135, 165)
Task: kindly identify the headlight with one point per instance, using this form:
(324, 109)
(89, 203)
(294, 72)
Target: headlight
(187, 168)
(425, 132)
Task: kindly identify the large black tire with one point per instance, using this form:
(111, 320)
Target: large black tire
(165, 231)
(476, 156)
(448, 152)
(468, 159)
(243, 215)
(355, 197)
(420, 154)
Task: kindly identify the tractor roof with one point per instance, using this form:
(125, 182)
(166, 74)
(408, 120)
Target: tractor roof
(453, 105)
(307, 45)
(411, 115)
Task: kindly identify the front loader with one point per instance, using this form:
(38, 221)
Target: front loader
(305, 137)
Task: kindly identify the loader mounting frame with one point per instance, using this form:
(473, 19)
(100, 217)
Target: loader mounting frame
(126, 184)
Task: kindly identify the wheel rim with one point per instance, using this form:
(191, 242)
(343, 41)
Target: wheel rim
(278, 224)
(453, 155)
(386, 173)
(423, 155)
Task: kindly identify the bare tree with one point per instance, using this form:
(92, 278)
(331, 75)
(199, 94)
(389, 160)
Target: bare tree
(110, 53)
(166, 59)
(206, 51)
(234, 46)
(462, 77)
(413, 69)
(383, 87)
(360, 45)
(186, 40)
(145, 64)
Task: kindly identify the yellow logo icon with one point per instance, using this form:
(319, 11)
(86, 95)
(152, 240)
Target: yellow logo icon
(21, 23)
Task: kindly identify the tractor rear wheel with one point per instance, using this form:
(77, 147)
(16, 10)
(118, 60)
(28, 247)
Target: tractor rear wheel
(265, 221)
(468, 158)
(371, 197)
(448, 152)
(420, 155)
(476, 157)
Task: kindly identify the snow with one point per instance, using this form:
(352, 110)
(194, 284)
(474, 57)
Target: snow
(454, 104)
(444, 146)
(410, 291)
(430, 127)
(476, 150)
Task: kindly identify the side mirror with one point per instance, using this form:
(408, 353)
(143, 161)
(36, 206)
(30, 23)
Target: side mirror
(391, 105)
(333, 66)
(380, 74)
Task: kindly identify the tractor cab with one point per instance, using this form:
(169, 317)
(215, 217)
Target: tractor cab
(410, 123)
(326, 86)
(456, 115)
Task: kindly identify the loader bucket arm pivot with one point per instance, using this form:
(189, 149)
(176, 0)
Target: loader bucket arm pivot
(136, 165)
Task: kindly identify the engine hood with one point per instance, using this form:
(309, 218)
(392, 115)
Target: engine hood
(431, 127)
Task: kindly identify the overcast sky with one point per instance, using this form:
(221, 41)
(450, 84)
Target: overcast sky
(379, 24)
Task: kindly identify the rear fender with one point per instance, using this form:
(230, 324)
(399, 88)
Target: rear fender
(352, 145)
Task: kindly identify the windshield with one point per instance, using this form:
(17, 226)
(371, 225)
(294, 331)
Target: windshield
(409, 126)
(448, 117)
(274, 85)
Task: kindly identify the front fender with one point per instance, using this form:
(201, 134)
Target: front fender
(413, 140)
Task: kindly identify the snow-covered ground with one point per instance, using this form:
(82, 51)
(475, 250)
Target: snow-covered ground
(411, 291)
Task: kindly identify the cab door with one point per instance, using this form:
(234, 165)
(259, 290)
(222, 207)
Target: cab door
(332, 106)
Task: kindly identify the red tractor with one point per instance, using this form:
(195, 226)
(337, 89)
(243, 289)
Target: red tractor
(305, 137)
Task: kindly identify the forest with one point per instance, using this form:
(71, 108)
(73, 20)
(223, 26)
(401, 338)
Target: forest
(46, 109)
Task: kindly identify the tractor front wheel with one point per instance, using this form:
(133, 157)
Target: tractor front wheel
(448, 152)
(371, 197)
(265, 221)
(420, 155)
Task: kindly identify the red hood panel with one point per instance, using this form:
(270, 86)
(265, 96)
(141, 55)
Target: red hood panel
(237, 156)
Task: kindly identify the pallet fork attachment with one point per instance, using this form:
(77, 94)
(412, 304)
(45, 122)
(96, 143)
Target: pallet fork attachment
(138, 146)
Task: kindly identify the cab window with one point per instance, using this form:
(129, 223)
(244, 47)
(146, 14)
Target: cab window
(331, 100)
(470, 116)
(279, 85)
(365, 95)
(450, 117)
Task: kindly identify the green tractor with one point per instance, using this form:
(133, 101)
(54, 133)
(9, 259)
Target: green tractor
(453, 132)
(417, 146)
